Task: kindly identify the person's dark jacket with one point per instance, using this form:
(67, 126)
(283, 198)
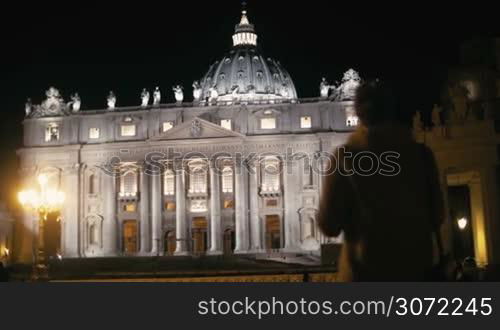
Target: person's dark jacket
(388, 221)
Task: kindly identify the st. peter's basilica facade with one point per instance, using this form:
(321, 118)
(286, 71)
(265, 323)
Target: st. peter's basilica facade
(237, 170)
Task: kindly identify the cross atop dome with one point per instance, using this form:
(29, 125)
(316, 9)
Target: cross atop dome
(244, 33)
(244, 18)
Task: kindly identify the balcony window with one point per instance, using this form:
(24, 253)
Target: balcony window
(268, 123)
(52, 133)
(198, 181)
(128, 187)
(271, 176)
(169, 183)
(226, 123)
(305, 122)
(94, 133)
(128, 130)
(352, 121)
(227, 180)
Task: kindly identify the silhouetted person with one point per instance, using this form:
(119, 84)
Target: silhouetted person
(470, 271)
(4, 274)
(388, 214)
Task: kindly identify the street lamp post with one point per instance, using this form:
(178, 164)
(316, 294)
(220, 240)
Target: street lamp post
(41, 201)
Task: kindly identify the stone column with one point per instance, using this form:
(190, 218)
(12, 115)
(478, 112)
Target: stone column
(255, 223)
(180, 213)
(145, 220)
(241, 208)
(291, 219)
(156, 212)
(478, 221)
(215, 212)
(26, 232)
(492, 225)
(447, 227)
(71, 235)
(110, 226)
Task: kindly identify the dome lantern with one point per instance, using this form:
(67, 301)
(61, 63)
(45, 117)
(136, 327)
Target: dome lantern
(244, 33)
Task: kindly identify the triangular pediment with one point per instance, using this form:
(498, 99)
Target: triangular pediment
(197, 128)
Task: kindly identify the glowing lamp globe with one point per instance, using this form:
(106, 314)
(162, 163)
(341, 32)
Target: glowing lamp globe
(462, 223)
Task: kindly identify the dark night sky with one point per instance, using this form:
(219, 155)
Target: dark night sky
(93, 47)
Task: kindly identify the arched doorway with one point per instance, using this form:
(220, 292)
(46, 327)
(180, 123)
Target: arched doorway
(467, 229)
(229, 241)
(130, 236)
(460, 210)
(169, 243)
(273, 232)
(199, 235)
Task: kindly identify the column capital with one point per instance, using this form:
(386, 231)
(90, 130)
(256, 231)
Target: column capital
(73, 168)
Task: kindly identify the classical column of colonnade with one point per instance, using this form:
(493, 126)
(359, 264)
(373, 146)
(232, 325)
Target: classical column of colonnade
(248, 226)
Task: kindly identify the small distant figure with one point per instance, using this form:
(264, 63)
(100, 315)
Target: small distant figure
(157, 96)
(469, 270)
(284, 91)
(144, 98)
(111, 100)
(436, 115)
(214, 95)
(178, 93)
(324, 88)
(459, 97)
(76, 102)
(417, 122)
(389, 218)
(196, 91)
(28, 106)
(234, 92)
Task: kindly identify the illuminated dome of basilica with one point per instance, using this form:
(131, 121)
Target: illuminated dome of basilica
(244, 74)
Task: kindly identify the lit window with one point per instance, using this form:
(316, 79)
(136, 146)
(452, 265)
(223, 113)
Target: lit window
(352, 121)
(227, 180)
(128, 130)
(305, 122)
(198, 181)
(94, 133)
(168, 183)
(271, 175)
(351, 118)
(170, 206)
(129, 185)
(168, 125)
(52, 133)
(268, 123)
(226, 123)
(229, 204)
(129, 208)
